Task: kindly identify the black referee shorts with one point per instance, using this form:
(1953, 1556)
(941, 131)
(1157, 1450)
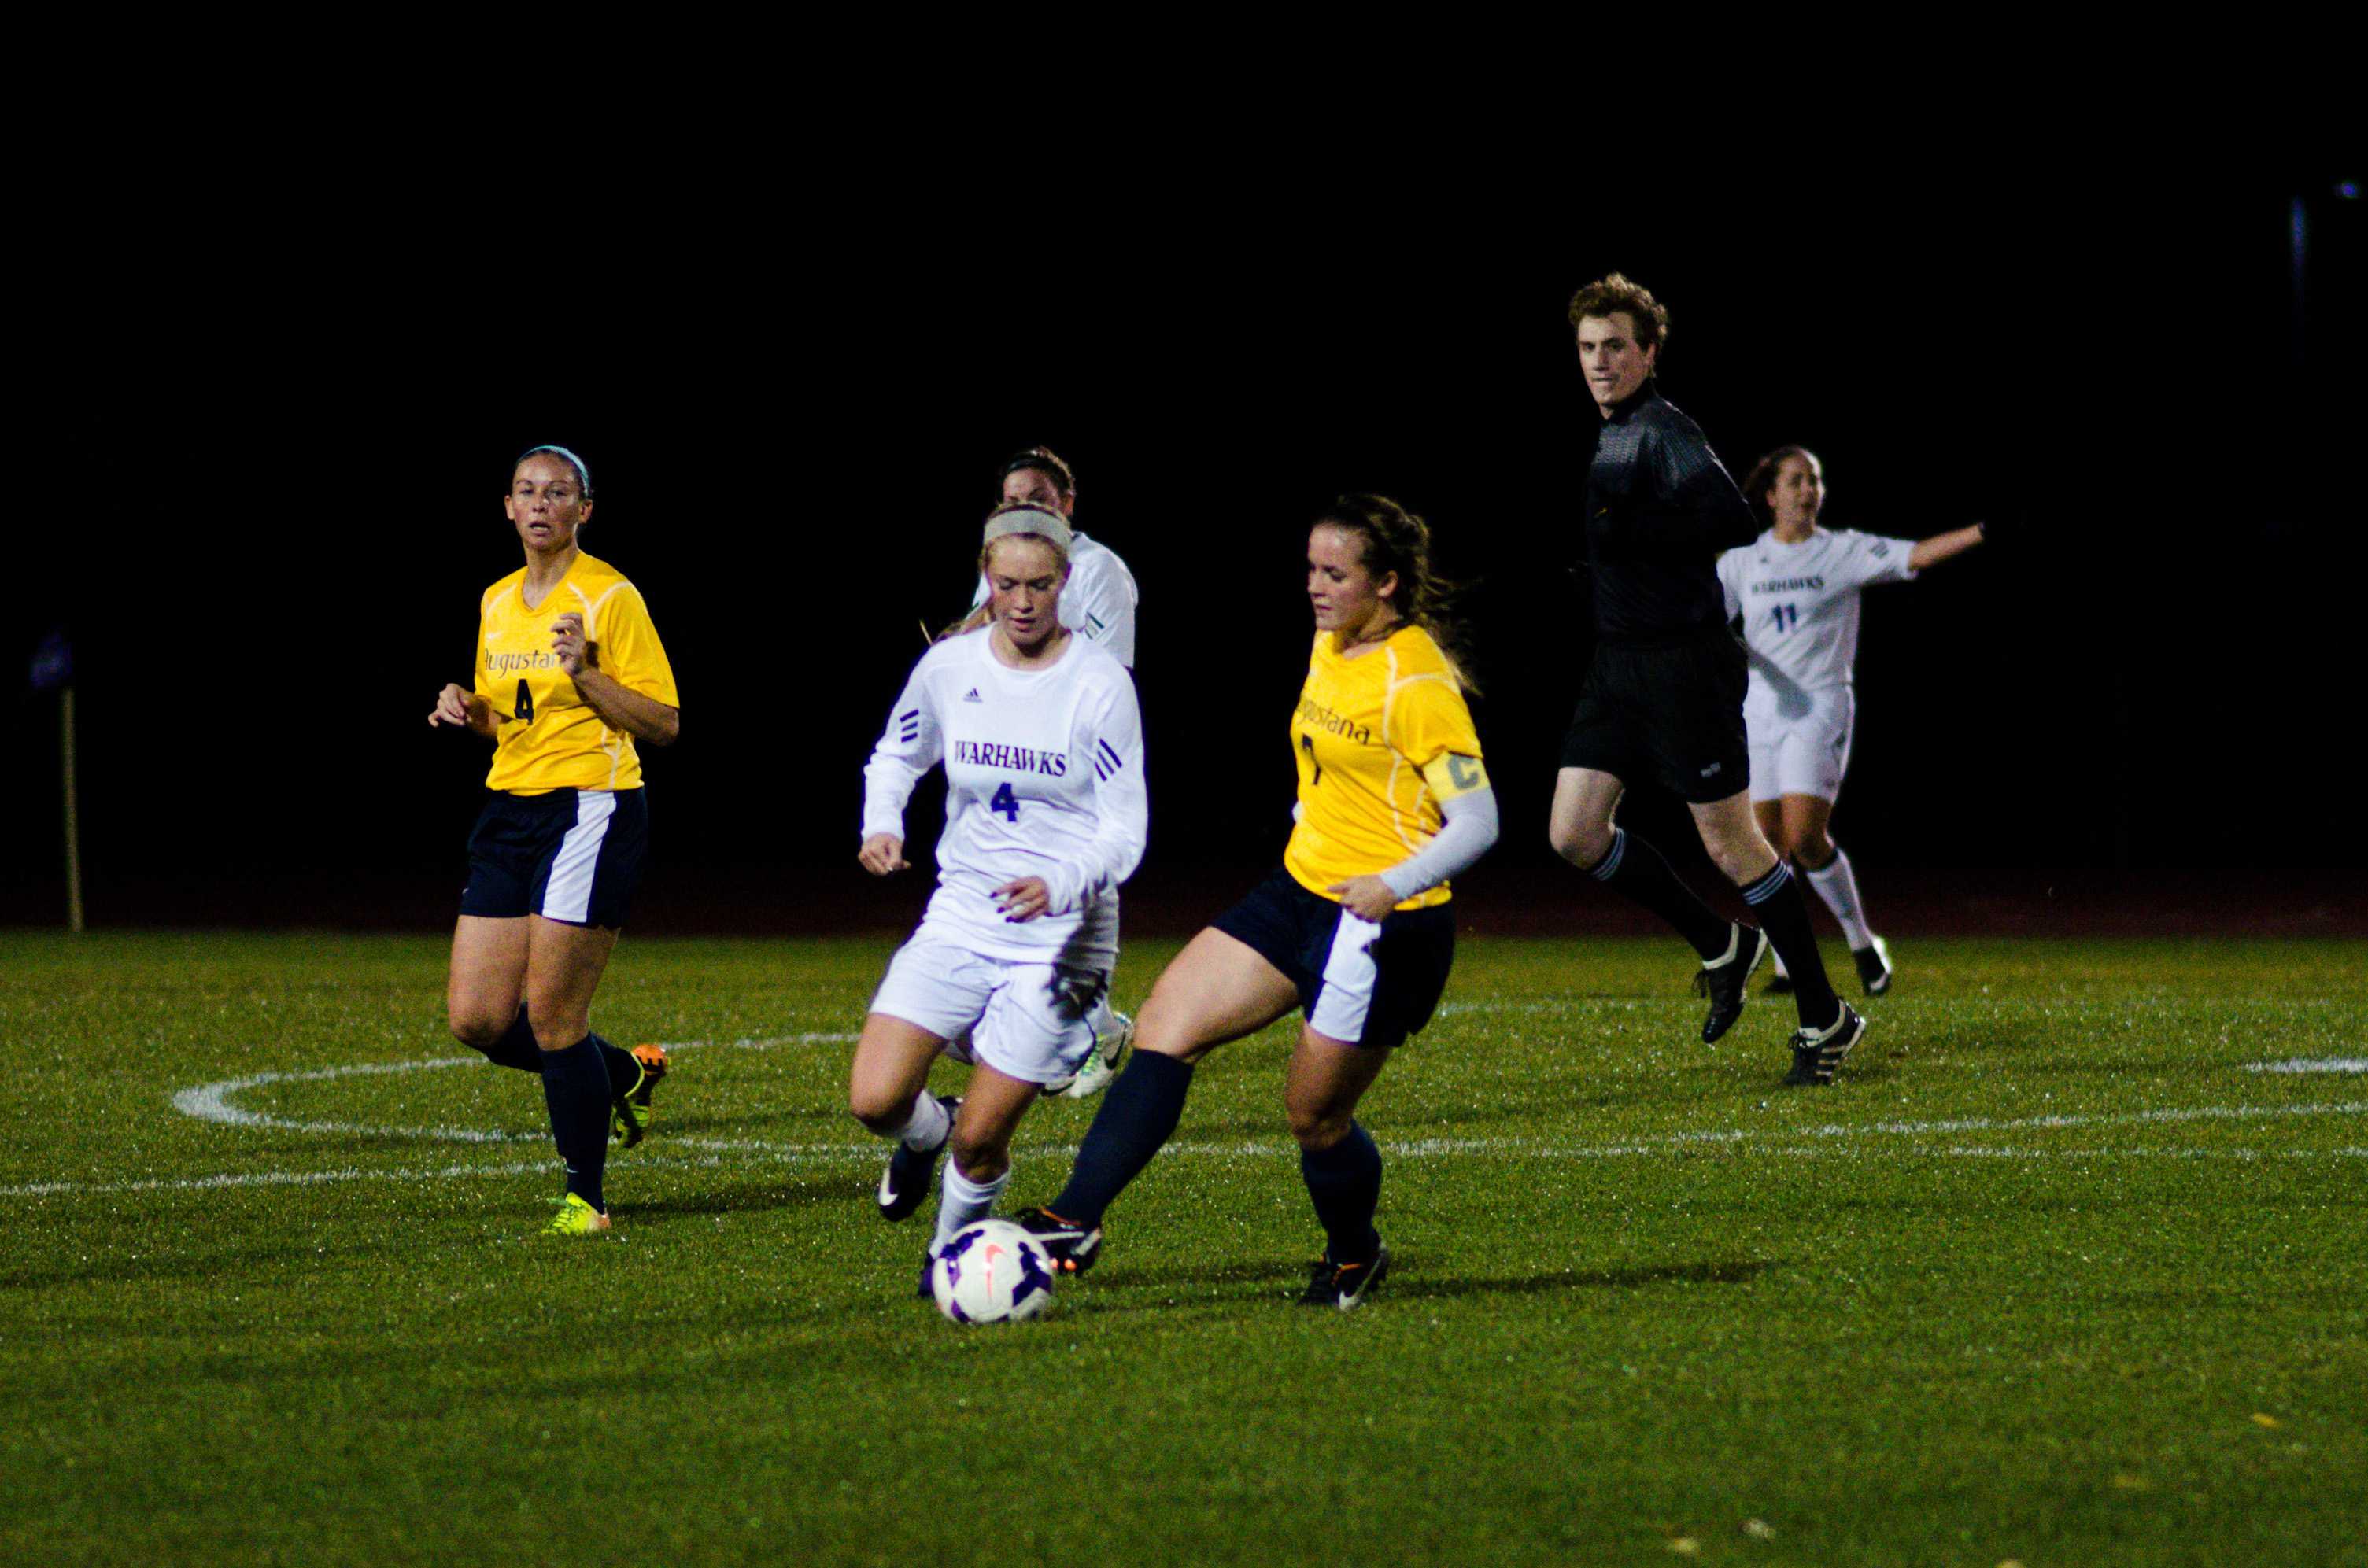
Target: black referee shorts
(573, 856)
(1370, 985)
(1671, 714)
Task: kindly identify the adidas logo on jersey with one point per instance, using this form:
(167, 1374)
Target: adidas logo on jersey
(973, 696)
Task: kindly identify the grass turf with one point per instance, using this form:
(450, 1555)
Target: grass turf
(2049, 1277)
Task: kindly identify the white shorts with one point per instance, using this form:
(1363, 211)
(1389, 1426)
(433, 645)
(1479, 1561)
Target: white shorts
(1803, 755)
(1029, 1021)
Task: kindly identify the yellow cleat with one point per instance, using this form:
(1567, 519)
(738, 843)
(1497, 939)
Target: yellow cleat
(577, 1218)
(631, 1113)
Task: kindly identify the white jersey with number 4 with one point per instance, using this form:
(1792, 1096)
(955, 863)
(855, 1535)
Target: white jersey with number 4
(1043, 778)
(1800, 609)
(1097, 601)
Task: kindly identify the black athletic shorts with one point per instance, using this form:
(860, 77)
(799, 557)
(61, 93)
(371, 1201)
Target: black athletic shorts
(1671, 714)
(573, 856)
(1370, 985)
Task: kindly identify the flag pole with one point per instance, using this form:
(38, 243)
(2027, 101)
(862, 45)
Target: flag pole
(74, 824)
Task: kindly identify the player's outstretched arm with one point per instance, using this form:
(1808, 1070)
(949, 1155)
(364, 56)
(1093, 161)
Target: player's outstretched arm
(1944, 547)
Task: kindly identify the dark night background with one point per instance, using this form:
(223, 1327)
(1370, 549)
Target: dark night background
(2148, 678)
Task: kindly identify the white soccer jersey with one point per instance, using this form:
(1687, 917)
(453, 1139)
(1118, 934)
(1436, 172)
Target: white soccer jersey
(1097, 601)
(1799, 604)
(1043, 778)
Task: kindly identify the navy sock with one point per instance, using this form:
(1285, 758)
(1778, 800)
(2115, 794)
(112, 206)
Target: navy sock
(575, 1087)
(1139, 1112)
(516, 1047)
(1776, 899)
(622, 1070)
(1634, 869)
(1345, 1183)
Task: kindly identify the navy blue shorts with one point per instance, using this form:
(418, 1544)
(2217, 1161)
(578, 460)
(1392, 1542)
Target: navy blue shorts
(1370, 985)
(1673, 716)
(573, 856)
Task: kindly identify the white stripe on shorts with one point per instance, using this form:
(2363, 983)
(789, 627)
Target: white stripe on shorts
(1350, 975)
(568, 895)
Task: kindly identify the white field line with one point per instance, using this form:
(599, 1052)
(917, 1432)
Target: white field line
(866, 1155)
(2313, 1065)
(211, 1102)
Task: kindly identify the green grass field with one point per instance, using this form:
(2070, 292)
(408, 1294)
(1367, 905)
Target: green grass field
(2050, 1276)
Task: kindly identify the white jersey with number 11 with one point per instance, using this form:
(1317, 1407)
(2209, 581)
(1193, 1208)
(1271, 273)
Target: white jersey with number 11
(1799, 609)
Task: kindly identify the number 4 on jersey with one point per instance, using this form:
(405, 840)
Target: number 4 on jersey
(1005, 801)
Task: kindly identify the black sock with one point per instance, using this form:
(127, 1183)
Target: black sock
(575, 1087)
(1345, 1183)
(1139, 1112)
(1634, 869)
(1776, 899)
(516, 1047)
(622, 1070)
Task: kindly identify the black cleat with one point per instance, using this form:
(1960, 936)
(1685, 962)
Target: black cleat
(1816, 1052)
(911, 1172)
(929, 1290)
(1344, 1285)
(1723, 981)
(1874, 962)
(1778, 984)
(1072, 1247)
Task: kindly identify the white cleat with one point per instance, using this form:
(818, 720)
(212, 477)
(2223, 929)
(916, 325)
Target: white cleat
(1108, 1055)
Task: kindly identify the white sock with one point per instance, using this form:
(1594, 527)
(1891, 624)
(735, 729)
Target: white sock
(964, 1201)
(927, 1126)
(1838, 888)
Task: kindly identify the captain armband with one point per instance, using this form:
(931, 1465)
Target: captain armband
(1452, 774)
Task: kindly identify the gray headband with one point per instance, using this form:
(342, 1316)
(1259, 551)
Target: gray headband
(1009, 520)
(583, 474)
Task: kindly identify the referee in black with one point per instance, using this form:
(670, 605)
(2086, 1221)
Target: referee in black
(1663, 699)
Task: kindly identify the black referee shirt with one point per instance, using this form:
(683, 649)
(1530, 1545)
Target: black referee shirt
(1660, 508)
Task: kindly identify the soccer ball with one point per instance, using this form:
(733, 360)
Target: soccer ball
(992, 1272)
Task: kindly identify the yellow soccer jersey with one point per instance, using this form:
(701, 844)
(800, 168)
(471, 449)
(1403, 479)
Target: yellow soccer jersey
(554, 740)
(1381, 739)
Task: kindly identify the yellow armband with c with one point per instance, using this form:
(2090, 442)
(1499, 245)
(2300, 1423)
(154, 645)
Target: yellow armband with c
(1451, 774)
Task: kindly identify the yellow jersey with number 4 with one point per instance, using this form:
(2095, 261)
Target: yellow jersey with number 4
(552, 739)
(1381, 739)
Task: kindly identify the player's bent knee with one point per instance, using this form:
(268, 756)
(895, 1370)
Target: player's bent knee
(480, 1031)
(1169, 1027)
(1317, 1127)
(1581, 844)
(980, 1159)
(1318, 1134)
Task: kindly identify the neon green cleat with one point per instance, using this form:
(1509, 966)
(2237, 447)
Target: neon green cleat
(577, 1218)
(630, 1113)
